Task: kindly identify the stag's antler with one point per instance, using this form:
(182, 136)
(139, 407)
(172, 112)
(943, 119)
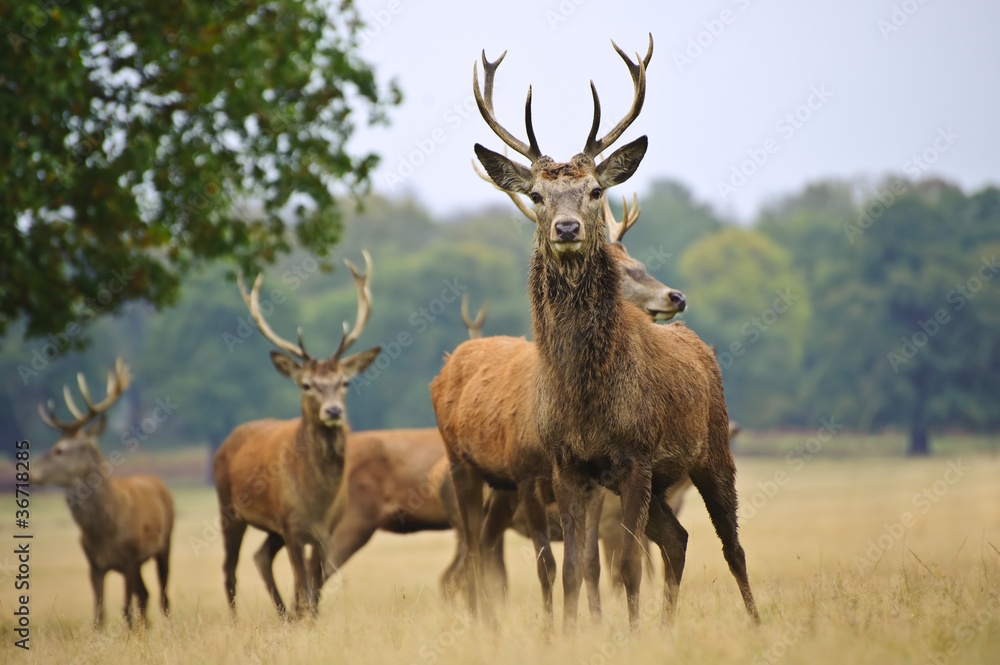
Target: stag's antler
(518, 201)
(118, 381)
(485, 105)
(475, 327)
(616, 229)
(364, 303)
(594, 147)
(253, 302)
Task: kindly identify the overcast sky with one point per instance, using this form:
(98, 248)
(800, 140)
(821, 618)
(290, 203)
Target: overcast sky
(848, 89)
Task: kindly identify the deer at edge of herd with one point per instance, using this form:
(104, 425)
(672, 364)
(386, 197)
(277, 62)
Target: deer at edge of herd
(123, 521)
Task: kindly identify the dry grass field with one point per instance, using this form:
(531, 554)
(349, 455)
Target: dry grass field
(880, 560)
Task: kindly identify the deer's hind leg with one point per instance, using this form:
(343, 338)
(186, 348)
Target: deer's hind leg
(264, 560)
(468, 485)
(718, 488)
(162, 572)
(232, 535)
(538, 529)
(664, 530)
(499, 510)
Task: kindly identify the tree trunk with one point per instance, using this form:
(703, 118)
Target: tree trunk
(920, 443)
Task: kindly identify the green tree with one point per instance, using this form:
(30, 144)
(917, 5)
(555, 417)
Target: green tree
(751, 303)
(905, 329)
(671, 221)
(143, 138)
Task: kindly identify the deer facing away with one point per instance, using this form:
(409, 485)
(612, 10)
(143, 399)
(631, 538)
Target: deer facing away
(619, 403)
(123, 521)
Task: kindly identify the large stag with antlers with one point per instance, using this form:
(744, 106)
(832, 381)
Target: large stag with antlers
(484, 402)
(282, 476)
(618, 402)
(123, 521)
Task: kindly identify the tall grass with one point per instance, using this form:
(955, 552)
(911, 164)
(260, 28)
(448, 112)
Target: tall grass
(838, 576)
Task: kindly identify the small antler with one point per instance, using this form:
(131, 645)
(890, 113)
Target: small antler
(518, 201)
(118, 381)
(364, 303)
(475, 327)
(485, 103)
(594, 147)
(253, 302)
(617, 230)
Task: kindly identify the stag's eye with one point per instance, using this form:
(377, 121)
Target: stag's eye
(306, 386)
(536, 198)
(596, 193)
(347, 383)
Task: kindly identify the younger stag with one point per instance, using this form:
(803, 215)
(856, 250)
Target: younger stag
(618, 402)
(281, 476)
(123, 521)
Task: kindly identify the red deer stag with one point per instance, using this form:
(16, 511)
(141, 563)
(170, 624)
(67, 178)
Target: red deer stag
(388, 484)
(483, 399)
(124, 521)
(618, 402)
(282, 476)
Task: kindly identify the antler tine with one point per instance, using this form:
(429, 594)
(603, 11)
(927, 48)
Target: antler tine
(615, 228)
(118, 382)
(49, 418)
(638, 73)
(518, 201)
(265, 329)
(364, 302)
(475, 326)
(630, 214)
(484, 100)
(70, 404)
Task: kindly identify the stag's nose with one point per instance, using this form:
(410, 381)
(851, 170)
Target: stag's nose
(334, 412)
(567, 230)
(679, 301)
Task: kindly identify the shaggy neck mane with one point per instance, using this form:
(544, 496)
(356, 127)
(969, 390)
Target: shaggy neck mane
(576, 310)
(91, 511)
(324, 441)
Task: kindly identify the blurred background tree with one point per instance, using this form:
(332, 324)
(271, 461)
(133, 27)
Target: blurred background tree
(143, 138)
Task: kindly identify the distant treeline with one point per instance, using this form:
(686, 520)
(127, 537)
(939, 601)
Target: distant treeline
(870, 308)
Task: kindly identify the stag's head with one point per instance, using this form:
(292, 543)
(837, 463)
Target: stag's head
(76, 454)
(660, 302)
(567, 197)
(323, 382)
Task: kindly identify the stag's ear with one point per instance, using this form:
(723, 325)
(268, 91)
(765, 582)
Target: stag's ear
(286, 366)
(96, 428)
(508, 176)
(358, 362)
(622, 163)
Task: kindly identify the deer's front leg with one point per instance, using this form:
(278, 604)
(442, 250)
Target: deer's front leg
(636, 492)
(97, 582)
(296, 555)
(574, 495)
